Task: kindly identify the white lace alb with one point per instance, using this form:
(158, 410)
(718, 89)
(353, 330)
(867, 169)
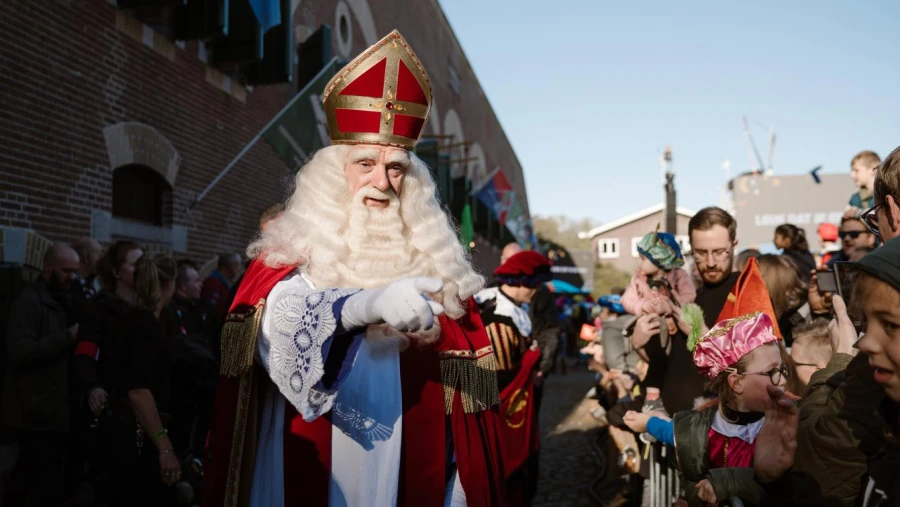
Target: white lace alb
(297, 322)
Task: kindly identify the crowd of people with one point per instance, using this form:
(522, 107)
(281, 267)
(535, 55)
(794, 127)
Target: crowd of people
(112, 365)
(772, 386)
(360, 359)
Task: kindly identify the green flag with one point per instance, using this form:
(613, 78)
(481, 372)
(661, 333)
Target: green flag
(301, 128)
(466, 227)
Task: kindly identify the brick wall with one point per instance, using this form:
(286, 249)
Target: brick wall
(69, 70)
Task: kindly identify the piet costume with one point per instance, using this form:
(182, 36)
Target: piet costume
(508, 324)
(509, 327)
(308, 413)
(717, 442)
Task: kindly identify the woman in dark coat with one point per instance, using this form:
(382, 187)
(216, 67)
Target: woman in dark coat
(139, 361)
(116, 270)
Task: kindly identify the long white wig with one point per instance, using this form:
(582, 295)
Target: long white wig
(322, 226)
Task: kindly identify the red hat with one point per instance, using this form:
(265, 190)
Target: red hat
(749, 295)
(828, 232)
(526, 268)
(382, 97)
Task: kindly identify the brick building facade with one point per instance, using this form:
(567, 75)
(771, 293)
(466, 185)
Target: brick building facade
(110, 128)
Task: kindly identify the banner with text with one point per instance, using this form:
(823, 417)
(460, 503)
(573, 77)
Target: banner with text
(763, 202)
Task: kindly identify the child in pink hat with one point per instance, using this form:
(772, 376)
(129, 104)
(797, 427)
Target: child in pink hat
(715, 445)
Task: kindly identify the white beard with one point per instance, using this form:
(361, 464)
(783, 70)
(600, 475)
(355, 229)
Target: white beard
(411, 237)
(378, 251)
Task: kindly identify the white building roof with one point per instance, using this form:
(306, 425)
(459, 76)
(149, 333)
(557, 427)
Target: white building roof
(615, 224)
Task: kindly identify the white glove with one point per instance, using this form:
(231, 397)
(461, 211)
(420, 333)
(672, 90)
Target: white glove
(401, 305)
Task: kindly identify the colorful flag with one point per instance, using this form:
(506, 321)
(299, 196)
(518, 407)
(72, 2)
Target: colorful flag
(515, 210)
(497, 194)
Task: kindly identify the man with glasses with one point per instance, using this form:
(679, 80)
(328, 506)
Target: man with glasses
(883, 219)
(853, 234)
(713, 235)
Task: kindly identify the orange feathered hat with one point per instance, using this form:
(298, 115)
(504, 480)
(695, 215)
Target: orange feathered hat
(749, 295)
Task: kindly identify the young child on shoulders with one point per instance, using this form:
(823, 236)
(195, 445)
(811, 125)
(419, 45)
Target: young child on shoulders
(659, 278)
(659, 288)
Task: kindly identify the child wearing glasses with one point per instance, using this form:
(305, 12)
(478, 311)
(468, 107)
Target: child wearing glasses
(714, 446)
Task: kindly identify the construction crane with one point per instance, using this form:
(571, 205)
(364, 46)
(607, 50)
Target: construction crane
(756, 161)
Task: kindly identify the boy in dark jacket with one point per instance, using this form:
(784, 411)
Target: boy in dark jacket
(873, 420)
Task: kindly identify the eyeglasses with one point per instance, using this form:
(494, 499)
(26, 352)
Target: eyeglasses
(717, 255)
(870, 218)
(852, 234)
(775, 374)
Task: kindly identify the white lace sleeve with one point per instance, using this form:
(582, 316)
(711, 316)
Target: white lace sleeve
(297, 322)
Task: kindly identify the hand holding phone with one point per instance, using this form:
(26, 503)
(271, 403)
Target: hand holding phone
(819, 303)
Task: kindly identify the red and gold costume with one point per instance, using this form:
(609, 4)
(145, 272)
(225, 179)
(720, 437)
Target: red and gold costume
(302, 405)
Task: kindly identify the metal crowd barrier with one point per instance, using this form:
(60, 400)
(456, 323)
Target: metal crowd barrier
(665, 484)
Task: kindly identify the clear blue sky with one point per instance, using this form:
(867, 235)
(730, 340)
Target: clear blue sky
(589, 92)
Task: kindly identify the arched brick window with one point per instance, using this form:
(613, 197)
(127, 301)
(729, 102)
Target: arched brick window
(141, 194)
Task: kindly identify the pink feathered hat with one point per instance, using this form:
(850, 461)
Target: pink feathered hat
(730, 340)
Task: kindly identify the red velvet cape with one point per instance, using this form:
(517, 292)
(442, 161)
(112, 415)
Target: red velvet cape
(307, 446)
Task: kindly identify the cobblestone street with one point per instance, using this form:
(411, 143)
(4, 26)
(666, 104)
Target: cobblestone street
(568, 462)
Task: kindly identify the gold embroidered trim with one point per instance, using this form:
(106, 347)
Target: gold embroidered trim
(467, 354)
(232, 488)
(239, 340)
(476, 381)
(729, 325)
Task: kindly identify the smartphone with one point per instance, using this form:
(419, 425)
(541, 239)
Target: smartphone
(827, 281)
(844, 277)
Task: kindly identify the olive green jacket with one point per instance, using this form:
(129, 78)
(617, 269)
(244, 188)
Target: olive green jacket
(692, 450)
(839, 426)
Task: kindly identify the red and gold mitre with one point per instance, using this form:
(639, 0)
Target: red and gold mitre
(382, 97)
